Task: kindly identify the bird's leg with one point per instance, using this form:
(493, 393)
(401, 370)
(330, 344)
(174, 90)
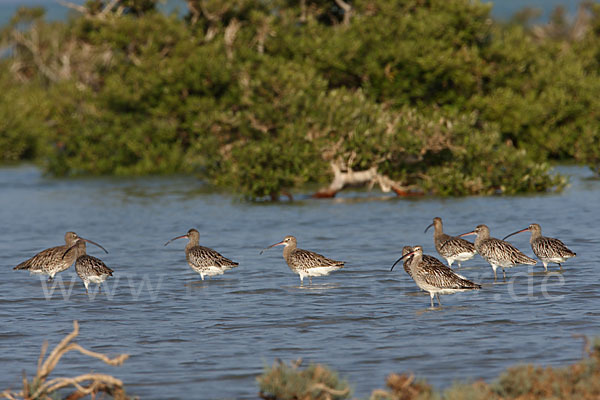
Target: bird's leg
(431, 295)
(438, 297)
(51, 278)
(310, 280)
(504, 273)
(546, 266)
(495, 276)
(560, 266)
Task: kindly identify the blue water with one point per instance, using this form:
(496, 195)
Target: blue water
(213, 338)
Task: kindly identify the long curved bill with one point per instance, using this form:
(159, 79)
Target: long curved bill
(401, 258)
(467, 234)
(429, 226)
(464, 234)
(514, 233)
(273, 245)
(94, 243)
(69, 249)
(175, 238)
(85, 240)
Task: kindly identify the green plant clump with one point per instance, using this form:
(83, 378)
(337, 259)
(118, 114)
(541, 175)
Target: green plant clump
(288, 382)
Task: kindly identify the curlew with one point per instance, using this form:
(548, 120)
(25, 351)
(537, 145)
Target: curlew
(89, 268)
(305, 262)
(432, 276)
(204, 260)
(51, 261)
(451, 248)
(408, 260)
(547, 249)
(497, 252)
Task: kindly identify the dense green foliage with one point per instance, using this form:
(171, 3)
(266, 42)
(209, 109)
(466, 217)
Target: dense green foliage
(263, 97)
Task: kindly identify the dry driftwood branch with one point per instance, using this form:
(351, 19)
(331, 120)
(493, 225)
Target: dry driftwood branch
(261, 35)
(328, 390)
(230, 34)
(97, 379)
(302, 11)
(348, 177)
(572, 31)
(347, 10)
(108, 8)
(207, 14)
(83, 384)
(73, 6)
(86, 11)
(193, 11)
(35, 51)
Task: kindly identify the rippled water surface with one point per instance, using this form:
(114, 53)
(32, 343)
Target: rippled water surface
(212, 338)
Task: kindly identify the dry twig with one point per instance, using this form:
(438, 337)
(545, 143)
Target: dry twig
(344, 176)
(83, 384)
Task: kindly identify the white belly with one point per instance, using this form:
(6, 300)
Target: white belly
(97, 279)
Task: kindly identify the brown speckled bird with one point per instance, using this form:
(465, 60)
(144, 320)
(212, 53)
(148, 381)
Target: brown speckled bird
(89, 268)
(305, 262)
(407, 261)
(454, 248)
(498, 252)
(204, 260)
(51, 261)
(431, 275)
(547, 249)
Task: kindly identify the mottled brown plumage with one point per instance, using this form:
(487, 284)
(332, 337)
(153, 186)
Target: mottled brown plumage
(547, 249)
(498, 252)
(204, 260)
(51, 261)
(407, 261)
(89, 268)
(454, 248)
(305, 262)
(432, 276)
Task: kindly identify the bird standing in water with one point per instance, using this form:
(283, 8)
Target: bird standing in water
(51, 261)
(305, 262)
(547, 249)
(498, 252)
(451, 247)
(431, 275)
(89, 268)
(204, 260)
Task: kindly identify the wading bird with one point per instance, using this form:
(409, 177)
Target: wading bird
(305, 262)
(547, 249)
(454, 248)
(88, 268)
(497, 252)
(51, 261)
(204, 260)
(432, 276)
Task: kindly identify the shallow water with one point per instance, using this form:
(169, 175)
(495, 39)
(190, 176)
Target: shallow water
(212, 338)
